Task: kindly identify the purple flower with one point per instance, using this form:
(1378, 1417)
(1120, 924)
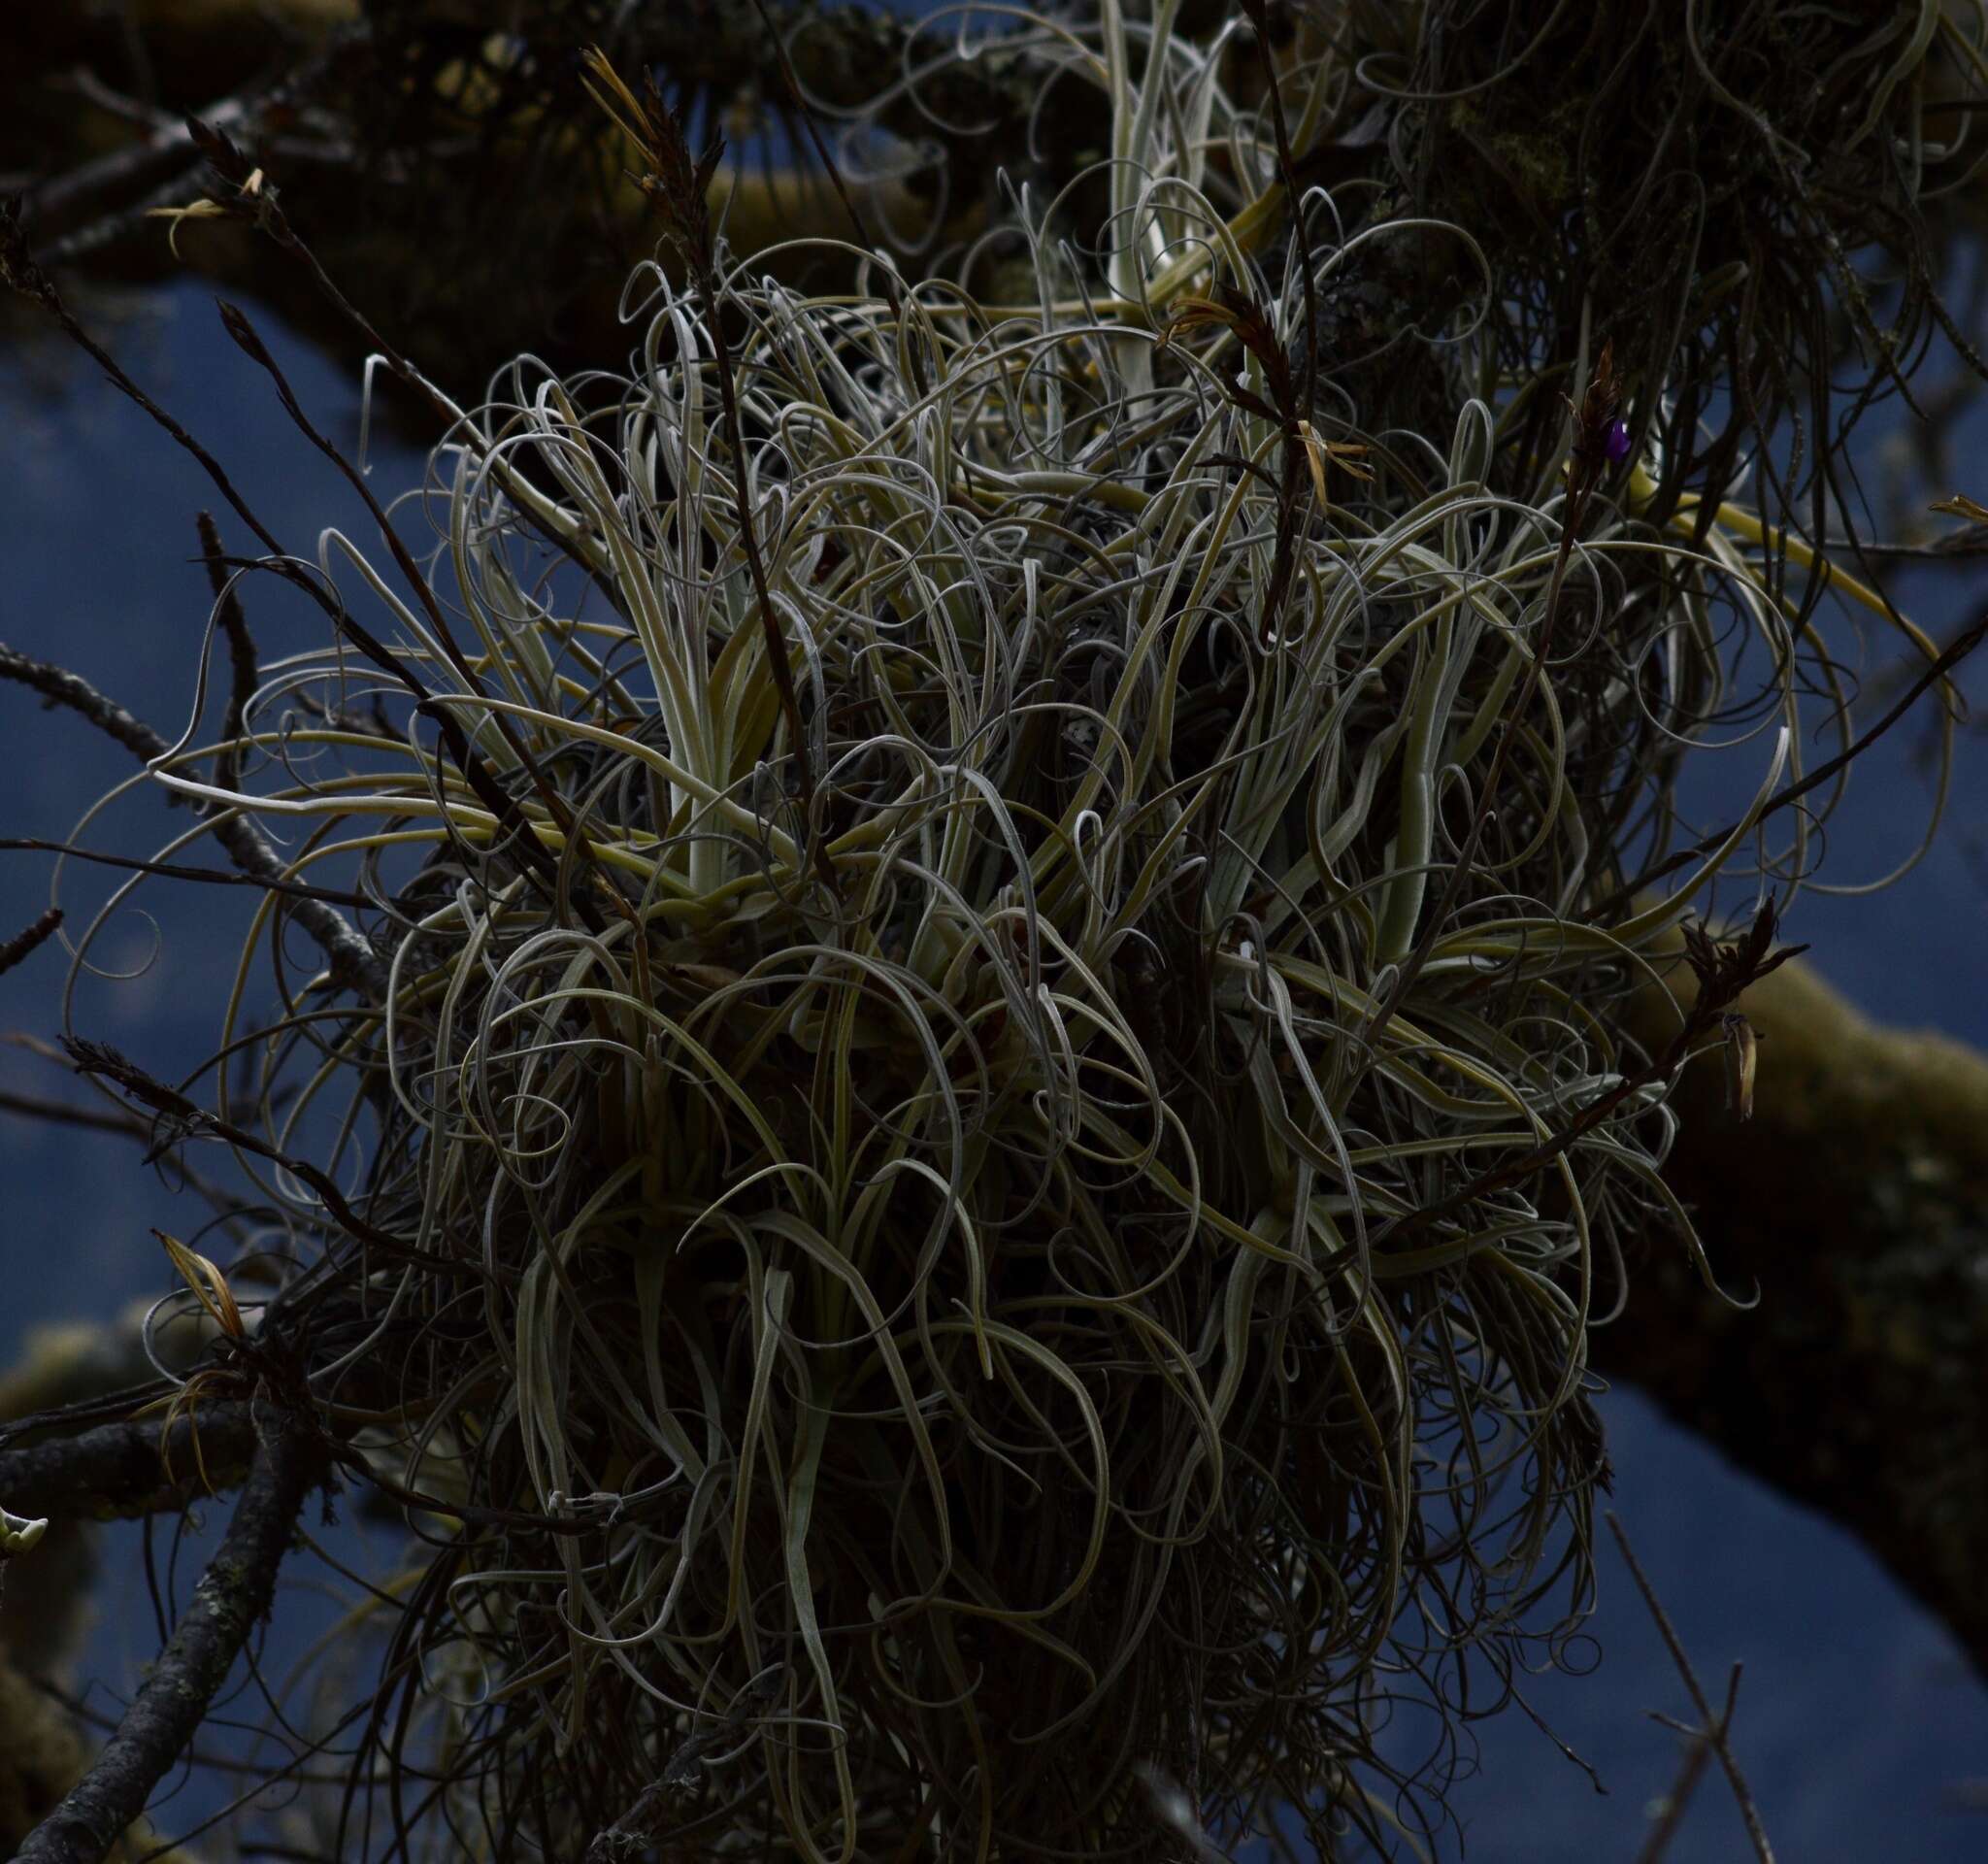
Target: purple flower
(1618, 441)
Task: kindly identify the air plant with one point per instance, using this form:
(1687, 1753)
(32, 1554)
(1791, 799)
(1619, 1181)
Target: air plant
(988, 1039)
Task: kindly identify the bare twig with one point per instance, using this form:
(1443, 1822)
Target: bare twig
(20, 271)
(1697, 1753)
(34, 936)
(1934, 672)
(1712, 1727)
(242, 333)
(1961, 547)
(60, 687)
(242, 657)
(353, 961)
(58, 1113)
(227, 1207)
(181, 870)
(184, 1118)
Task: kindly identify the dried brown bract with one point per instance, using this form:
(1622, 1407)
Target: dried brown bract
(676, 181)
(1725, 968)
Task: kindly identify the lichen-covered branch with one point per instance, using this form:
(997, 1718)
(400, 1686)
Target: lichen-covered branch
(233, 1595)
(1857, 1200)
(133, 1468)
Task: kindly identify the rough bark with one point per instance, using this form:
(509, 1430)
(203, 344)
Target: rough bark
(1857, 1200)
(42, 1754)
(233, 1596)
(128, 1468)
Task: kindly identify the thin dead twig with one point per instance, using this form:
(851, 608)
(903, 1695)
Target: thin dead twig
(1714, 1729)
(353, 959)
(1676, 1802)
(26, 942)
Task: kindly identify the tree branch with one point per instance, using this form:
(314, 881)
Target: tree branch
(131, 1468)
(233, 1595)
(1713, 1730)
(1856, 1200)
(353, 961)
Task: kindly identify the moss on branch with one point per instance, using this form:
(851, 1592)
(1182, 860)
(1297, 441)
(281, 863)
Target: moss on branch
(1857, 1200)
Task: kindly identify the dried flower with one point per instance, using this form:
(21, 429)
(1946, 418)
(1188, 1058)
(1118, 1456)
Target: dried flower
(209, 1284)
(255, 195)
(1595, 422)
(1742, 1052)
(1960, 505)
(1725, 970)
